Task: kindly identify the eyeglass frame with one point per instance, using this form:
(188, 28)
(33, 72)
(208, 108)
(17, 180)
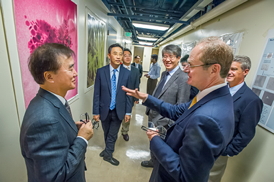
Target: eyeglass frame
(188, 66)
(170, 58)
(95, 124)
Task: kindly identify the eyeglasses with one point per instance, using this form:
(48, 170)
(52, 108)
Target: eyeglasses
(85, 119)
(193, 66)
(169, 57)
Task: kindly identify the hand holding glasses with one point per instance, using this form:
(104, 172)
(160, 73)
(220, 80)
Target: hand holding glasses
(85, 119)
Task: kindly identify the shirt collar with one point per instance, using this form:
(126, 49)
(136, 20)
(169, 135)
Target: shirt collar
(173, 71)
(111, 68)
(127, 67)
(62, 99)
(205, 92)
(234, 89)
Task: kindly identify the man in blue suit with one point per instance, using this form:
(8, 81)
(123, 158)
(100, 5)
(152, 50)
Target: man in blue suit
(110, 104)
(133, 83)
(202, 129)
(52, 144)
(247, 112)
(137, 64)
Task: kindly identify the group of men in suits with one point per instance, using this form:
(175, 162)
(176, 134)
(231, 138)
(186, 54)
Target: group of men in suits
(54, 146)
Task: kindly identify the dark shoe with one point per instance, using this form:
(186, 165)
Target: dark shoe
(111, 160)
(147, 163)
(102, 153)
(125, 137)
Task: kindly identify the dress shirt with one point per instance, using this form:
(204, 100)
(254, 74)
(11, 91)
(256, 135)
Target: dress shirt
(116, 73)
(63, 100)
(127, 67)
(171, 73)
(203, 93)
(136, 65)
(234, 89)
(154, 71)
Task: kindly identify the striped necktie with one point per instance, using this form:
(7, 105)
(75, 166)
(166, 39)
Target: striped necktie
(194, 101)
(68, 108)
(113, 90)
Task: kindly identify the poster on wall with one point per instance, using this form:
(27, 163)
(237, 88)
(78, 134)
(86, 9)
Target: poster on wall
(96, 33)
(38, 22)
(187, 47)
(263, 84)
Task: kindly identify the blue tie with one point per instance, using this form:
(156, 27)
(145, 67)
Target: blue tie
(113, 90)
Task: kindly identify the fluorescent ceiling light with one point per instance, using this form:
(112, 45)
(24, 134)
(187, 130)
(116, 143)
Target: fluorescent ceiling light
(147, 38)
(145, 43)
(150, 26)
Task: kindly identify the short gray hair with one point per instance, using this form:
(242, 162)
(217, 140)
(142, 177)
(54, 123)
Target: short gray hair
(244, 61)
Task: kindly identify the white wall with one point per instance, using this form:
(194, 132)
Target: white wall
(254, 18)
(12, 167)
(146, 58)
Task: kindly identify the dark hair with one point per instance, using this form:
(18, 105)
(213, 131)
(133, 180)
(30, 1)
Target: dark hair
(126, 49)
(244, 61)
(114, 45)
(154, 56)
(137, 56)
(45, 58)
(184, 59)
(172, 49)
(216, 51)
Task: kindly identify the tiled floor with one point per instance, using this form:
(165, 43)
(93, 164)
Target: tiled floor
(130, 154)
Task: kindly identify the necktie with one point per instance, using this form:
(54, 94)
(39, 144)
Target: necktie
(113, 90)
(194, 101)
(161, 85)
(68, 108)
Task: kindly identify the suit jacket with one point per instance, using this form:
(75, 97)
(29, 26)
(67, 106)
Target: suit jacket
(192, 144)
(102, 93)
(140, 68)
(49, 141)
(247, 112)
(133, 81)
(175, 91)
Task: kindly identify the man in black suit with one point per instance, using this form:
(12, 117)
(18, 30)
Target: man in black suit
(110, 104)
(133, 84)
(137, 64)
(52, 144)
(247, 112)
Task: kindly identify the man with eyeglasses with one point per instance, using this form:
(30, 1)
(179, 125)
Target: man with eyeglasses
(172, 88)
(203, 127)
(153, 74)
(52, 144)
(133, 83)
(110, 104)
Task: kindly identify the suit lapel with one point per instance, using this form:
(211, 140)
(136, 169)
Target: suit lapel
(107, 75)
(58, 104)
(239, 93)
(121, 76)
(170, 81)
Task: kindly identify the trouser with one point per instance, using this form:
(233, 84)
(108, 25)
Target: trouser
(111, 126)
(218, 169)
(151, 84)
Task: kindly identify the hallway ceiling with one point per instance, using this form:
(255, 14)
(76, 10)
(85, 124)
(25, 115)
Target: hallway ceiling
(175, 14)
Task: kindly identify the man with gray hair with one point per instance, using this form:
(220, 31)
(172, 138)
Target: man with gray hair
(247, 112)
(172, 88)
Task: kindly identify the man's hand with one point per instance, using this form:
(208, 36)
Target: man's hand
(135, 93)
(86, 130)
(78, 124)
(127, 118)
(151, 134)
(96, 117)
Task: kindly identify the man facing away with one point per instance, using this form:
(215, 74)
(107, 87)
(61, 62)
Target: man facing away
(153, 74)
(133, 83)
(247, 112)
(52, 144)
(172, 88)
(137, 64)
(110, 104)
(200, 133)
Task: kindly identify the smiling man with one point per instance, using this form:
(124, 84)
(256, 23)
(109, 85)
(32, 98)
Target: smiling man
(110, 104)
(247, 112)
(202, 129)
(172, 88)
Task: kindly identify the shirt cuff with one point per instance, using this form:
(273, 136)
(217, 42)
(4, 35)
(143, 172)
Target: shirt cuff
(83, 139)
(128, 114)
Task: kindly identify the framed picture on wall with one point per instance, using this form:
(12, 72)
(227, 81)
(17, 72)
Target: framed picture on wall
(36, 23)
(96, 38)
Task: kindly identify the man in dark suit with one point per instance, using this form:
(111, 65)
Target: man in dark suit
(247, 112)
(200, 133)
(52, 144)
(172, 88)
(133, 83)
(110, 104)
(137, 64)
